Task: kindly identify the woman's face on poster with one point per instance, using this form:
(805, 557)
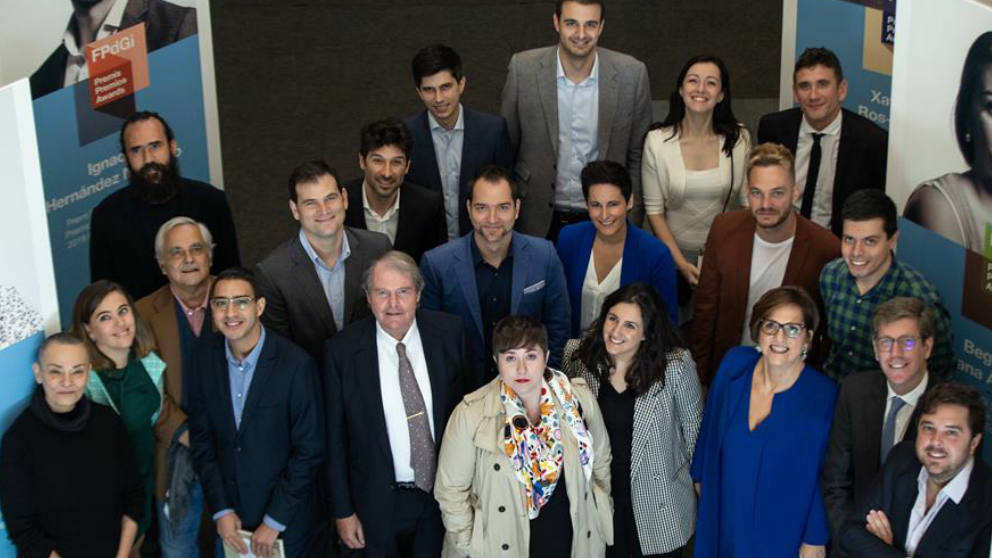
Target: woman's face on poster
(980, 126)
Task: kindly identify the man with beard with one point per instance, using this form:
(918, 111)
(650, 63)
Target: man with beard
(123, 226)
(383, 201)
(768, 239)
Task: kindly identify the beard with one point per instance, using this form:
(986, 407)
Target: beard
(156, 183)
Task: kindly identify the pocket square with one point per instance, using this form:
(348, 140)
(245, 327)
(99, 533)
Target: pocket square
(535, 287)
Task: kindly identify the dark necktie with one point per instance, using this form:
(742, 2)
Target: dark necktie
(889, 429)
(815, 154)
(423, 458)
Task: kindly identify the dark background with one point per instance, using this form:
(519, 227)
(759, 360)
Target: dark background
(297, 80)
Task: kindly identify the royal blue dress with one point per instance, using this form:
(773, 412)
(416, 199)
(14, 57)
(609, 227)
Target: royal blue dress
(760, 490)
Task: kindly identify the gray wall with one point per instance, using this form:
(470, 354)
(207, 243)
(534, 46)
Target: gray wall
(297, 79)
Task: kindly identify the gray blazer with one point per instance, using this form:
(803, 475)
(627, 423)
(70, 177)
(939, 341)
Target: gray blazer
(296, 306)
(530, 106)
(666, 423)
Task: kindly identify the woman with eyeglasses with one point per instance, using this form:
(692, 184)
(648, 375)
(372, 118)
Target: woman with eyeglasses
(761, 445)
(128, 377)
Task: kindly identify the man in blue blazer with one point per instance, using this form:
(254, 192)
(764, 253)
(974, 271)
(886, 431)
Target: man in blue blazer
(257, 433)
(494, 272)
(451, 142)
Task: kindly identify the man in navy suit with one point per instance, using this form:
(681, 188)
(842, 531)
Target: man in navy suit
(451, 142)
(391, 383)
(493, 272)
(257, 433)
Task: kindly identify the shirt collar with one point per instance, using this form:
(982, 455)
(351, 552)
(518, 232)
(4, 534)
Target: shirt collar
(914, 394)
(591, 79)
(436, 126)
(201, 306)
(477, 254)
(412, 335)
(389, 212)
(111, 24)
(956, 488)
(251, 359)
(832, 129)
(315, 258)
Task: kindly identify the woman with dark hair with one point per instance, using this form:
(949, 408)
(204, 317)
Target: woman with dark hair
(645, 381)
(765, 428)
(959, 205)
(128, 377)
(693, 165)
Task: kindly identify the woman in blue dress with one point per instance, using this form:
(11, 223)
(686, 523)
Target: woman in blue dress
(760, 449)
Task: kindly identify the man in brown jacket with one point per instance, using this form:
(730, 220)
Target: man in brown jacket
(752, 250)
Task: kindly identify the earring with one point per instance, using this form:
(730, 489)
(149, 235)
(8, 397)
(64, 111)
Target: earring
(967, 137)
(804, 352)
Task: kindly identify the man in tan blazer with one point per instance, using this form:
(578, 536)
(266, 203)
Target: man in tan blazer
(752, 250)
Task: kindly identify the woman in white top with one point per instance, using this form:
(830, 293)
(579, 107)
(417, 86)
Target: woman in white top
(693, 165)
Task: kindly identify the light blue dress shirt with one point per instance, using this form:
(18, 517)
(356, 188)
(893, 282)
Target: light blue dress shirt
(331, 278)
(578, 135)
(448, 151)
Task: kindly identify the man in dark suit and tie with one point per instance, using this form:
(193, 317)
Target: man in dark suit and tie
(391, 383)
(383, 201)
(451, 142)
(877, 409)
(257, 434)
(933, 501)
(836, 150)
(312, 282)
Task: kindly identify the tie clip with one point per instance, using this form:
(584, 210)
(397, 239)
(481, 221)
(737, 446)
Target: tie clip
(414, 415)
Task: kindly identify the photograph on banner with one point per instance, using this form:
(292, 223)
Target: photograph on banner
(940, 166)
(861, 34)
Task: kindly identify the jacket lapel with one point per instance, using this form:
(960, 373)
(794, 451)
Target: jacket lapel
(874, 411)
(645, 408)
(427, 156)
(607, 103)
(798, 255)
(309, 284)
(744, 245)
(464, 269)
(223, 382)
(522, 263)
(547, 89)
(366, 366)
(433, 343)
(354, 266)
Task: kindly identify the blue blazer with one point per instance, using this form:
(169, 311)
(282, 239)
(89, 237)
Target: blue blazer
(485, 142)
(268, 465)
(537, 289)
(646, 259)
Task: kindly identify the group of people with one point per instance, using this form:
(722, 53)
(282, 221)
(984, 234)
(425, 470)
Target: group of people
(506, 363)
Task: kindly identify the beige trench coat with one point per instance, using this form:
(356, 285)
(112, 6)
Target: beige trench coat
(482, 502)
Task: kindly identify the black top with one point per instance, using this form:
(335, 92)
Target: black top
(618, 416)
(495, 284)
(551, 531)
(67, 490)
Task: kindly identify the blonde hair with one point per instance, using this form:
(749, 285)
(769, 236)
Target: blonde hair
(771, 154)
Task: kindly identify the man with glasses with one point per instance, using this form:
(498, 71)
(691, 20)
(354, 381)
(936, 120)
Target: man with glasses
(878, 408)
(256, 427)
(751, 251)
(867, 275)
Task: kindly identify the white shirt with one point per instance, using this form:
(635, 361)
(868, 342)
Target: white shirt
(768, 263)
(75, 65)
(921, 518)
(578, 134)
(448, 152)
(824, 194)
(911, 398)
(594, 292)
(385, 224)
(392, 397)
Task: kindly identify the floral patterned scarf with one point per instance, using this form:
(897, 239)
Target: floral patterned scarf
(536, 451)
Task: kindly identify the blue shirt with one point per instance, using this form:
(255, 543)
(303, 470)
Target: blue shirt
(578, 135)
(448, 150)
(331, 278)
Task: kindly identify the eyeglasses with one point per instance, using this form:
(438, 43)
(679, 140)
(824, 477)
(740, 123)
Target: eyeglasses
(239, 302)
(771, 327)
(907, 343)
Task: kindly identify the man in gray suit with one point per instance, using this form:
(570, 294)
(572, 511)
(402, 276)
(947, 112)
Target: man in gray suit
(568, 105)
(312, 282)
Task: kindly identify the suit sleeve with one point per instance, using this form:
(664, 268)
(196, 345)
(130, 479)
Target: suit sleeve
(508, 105)
(855, 539)
(337, 437)
(201, 443)
(638, 131)
(663, 279)
(688, 400)
(18, 503)
(101, 259)
(430, 298)
(838, 467)
(651, 187)
(307, 433)
(557, 310)
(704, 312)
(504, 154)
(276, 315)
(226, 254)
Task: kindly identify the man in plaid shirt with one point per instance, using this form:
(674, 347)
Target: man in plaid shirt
(866, 275)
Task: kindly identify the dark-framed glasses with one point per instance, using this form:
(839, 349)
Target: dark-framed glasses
(907, 343)
(792, 330)
(239, 302)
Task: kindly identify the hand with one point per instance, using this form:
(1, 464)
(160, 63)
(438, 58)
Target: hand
(184, 438)
(812, 551)
(690, 272)
(227, 528)
(350, 531)
(878, 525)
(699, 489)
(263, 539)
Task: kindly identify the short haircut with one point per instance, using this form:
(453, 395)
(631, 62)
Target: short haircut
(140, 116)
(600, 3)
(397, 261)
(434, 59)
(871, 203)
(770, 154)
(175, 222)
(388, 131)
(979, 57)
(494, 174)
(309, 172)
(606, 172)
(86, 304)
(236, 274)
(904, 307)
(818, 56)
(781, 296)
(520, 331)
(953, 393)
(60, 338)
